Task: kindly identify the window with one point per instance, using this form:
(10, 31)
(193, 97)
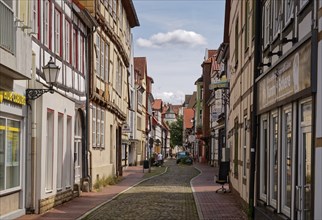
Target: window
(288, 15)
(67, 172)
(67, 41)
(264, 143)
(98, 129)
(47, 23)
(111, 145)
(247, 19)
(49, 151)
(277, 18)
(267, 22)
(60, 147)
(94, 126)
(35, 16)
(287, 151)
(102, 59)
(245, 148)
(114, 9)
(121, 15)
(75, 48)
(119, 76)
(106, 64)
(10, 145)
(81, 54)
(140, 97)
(57, 30)
(236, 149)
(236, 42)
(303, 3)
(98, 52)
(273, 163)
(138, 120)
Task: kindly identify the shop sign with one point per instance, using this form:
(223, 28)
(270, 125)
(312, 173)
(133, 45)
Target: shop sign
(219, 85)
(12, 97)
(288, 78)
(126, 128)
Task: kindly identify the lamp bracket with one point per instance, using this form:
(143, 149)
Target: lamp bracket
(261, 65)
(278, 53)
(285, 40)
(32, 94)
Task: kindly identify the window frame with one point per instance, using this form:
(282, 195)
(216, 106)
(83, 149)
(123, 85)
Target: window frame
(267, 23)
(68, 42)
(264, 156)
(245, 148)
(288, 11)
(287, 109)
(57, 31)
(273, 202)
(47, 23)
(5, 128)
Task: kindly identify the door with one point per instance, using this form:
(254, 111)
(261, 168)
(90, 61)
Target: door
(78, 149)
(303, 188)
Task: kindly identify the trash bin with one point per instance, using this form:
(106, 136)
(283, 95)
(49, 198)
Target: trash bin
(145, 164)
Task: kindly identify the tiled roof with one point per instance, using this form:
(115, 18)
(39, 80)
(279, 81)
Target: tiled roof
(157, 104)
(188, 114)
(140, 65)
(176, 108)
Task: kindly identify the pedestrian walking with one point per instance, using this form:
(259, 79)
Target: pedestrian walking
(160, 159)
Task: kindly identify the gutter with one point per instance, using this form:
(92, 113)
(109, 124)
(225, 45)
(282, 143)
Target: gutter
(257, 54)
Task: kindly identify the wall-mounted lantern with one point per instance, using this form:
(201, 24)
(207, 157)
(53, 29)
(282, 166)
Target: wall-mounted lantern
(51, 72)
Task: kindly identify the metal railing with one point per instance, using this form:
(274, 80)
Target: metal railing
(7, 29)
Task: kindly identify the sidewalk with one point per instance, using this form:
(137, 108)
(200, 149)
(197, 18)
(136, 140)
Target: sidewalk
(89, 200)
(210, 205)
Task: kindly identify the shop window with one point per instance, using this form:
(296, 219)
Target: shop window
(10, 141)
(287, 151)
(273, 163)
(264, 143)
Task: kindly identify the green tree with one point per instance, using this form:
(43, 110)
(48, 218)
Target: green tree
(176, 130)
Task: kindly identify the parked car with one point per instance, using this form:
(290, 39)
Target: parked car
(184, 157)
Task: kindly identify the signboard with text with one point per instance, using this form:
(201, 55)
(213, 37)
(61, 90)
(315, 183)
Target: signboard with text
(288, 78)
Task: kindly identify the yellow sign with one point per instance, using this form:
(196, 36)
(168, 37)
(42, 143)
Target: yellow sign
(12, 97)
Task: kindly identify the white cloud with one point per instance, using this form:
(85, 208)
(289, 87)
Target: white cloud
(177, 37)
(170, 97)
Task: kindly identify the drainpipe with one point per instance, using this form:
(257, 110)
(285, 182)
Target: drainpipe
(88, 164)
(33, 145)
(257, 54)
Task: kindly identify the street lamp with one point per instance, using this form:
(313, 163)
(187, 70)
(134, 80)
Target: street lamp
(51, 72)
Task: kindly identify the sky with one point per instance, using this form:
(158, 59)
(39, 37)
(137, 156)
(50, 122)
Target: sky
(173, 36)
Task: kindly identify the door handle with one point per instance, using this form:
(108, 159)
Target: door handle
(298, 196)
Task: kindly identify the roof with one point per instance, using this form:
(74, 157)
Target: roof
(176, 108)
(131, 13)
(140, 65)
(188, 114)
(192, 101)
(157, 104)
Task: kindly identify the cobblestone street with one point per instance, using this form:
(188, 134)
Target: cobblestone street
(167, 196)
